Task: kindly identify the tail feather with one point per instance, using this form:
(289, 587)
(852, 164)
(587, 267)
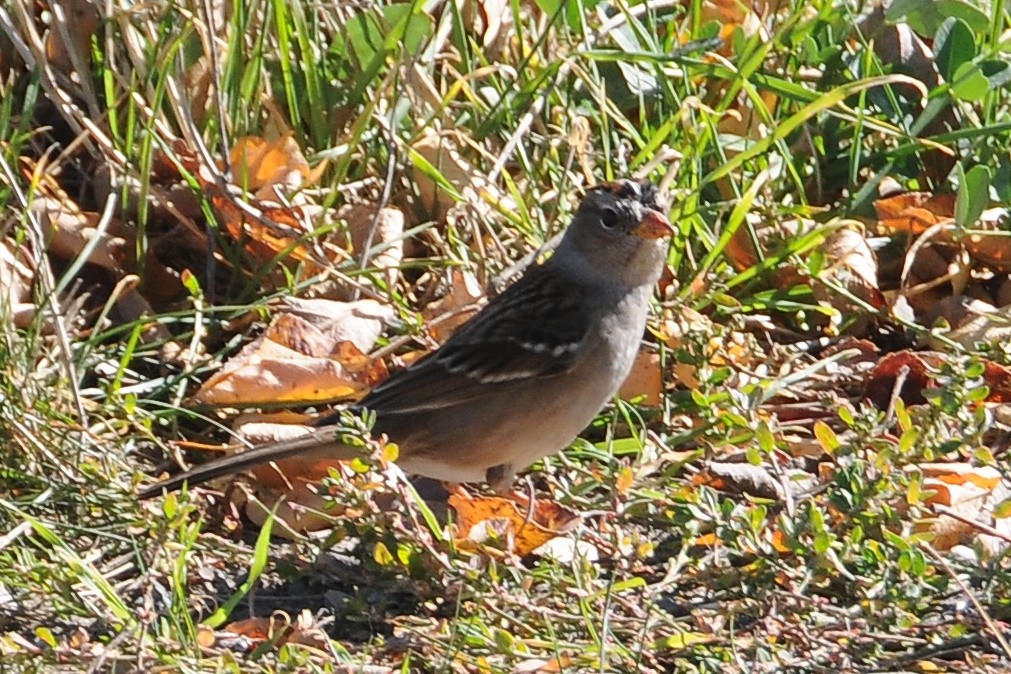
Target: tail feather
(319, 444)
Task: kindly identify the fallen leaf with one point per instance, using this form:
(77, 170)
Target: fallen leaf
(71, 231)
(359, 322)
(378, 234)
(851, 264)
(971, 492)
(292, 361)
(917, 370)
(258, 163)
(68, 41)
(280, 628)
(441, 152)
(453, 309)
(645, 379)
(915, 212)
(481, 518)
(16, 285)
(739, 478)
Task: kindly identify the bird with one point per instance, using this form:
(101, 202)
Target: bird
(526, 374)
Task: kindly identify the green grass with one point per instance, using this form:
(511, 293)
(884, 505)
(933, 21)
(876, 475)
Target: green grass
(833, 577)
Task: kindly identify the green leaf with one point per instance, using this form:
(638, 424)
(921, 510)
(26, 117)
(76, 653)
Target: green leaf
(997, 73)
(1002, 510)
(926, 16)
(954, 45)
(680, 640)
(969, 83)
(381, 554)
(367, 33)
(574, 11)
(973, 196)
(826, 437)
(766, 440)
(45, 635)
(259, 562)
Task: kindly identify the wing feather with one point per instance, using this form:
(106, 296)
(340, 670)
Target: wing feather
(536, 328)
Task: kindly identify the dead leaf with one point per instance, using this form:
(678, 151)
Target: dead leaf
(258, 163)
(292, 361)
(293, 502)
(16, 285)
(491, 22)
(359, 322)
(991, 250)
(442, 152)
(918, 370)
(566, 549)
(971, 492)
(382, 232)
(71, 231)
(645, 379)
(852, 265)
(69, 38)
(280, 628)
(981, 324)
(446, 314)
(268, 230)
(914, 212)
(739, 478)
(482, 518)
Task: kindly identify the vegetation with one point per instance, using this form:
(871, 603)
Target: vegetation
(809, 475)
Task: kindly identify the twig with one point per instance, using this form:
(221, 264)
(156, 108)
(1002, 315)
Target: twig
(987, 620)
(985, 528)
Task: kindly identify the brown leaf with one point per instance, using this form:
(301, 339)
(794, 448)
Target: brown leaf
(914, 212)
(739, 478)
(443, 153)
(852, 265)
(359, 322)
(491, 22)
(293, 361)
(645, 379)
(387, 231)
(298, 472)
(980, 323)
(257, 163)
(72, 230)
(280, 629)
(992, 250)
(972, 492)
(69, 38)
(266, 228)
(445, 315)
(478, 517)
(920, 368)
(16, 284)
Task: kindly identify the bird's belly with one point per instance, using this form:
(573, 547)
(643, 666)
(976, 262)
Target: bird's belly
(480, 435)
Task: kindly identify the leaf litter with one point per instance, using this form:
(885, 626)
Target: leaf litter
(772, 431)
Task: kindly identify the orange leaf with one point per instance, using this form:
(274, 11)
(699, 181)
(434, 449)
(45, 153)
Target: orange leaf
(256, 162)
(478, 517)
(915, 212)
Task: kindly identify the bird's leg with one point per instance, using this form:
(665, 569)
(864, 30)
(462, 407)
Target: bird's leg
(501, 478)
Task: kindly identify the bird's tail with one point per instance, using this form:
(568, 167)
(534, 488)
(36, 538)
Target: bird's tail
(321, 444)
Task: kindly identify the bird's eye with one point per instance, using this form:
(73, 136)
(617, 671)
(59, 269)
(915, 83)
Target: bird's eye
(609, 218)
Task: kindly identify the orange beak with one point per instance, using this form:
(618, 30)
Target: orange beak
(654, 225)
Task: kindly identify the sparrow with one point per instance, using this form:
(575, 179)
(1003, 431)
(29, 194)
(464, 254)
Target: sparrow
(526, 374)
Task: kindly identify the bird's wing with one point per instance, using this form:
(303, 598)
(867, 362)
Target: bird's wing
(536, 328)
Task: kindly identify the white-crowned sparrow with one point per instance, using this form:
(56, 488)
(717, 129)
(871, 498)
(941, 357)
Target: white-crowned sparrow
(524, 376)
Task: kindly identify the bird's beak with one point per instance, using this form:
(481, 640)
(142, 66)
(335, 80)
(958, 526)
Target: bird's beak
(654, 225)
